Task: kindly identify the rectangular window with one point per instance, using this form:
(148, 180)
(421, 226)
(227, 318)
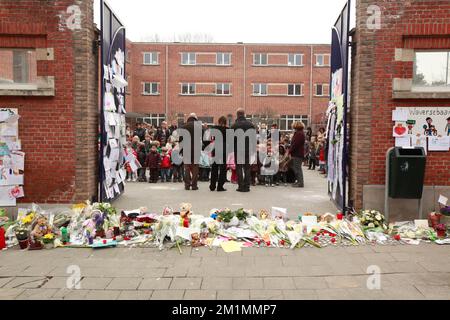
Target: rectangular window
(18, 66)
(286, 121)
(431, 71)
(322, 90)
(188, 88)
(151, 58)
(222, 89)
(223, 59)
(322, 60)
(260, 59)
(295, 59)
(295, 90)
(155, 119)
(150, 88)
(188, 58)
(260, 89)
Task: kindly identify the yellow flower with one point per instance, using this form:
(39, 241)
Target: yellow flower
(79, 206)
(49, 236)
(28, 218)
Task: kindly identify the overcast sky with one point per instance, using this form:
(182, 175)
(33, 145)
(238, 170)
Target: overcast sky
(251, 21)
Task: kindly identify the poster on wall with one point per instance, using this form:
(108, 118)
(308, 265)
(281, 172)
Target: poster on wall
(12, 160)
(113, 126)
(336, 132)
(428, 127)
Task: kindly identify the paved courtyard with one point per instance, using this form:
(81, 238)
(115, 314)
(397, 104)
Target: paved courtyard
(313, 198)
(406, 272)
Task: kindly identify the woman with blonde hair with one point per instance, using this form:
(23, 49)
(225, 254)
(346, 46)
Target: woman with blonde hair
(297, 152)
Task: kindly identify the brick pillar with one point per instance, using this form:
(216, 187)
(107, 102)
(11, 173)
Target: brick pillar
(363, 66)
(86, 110)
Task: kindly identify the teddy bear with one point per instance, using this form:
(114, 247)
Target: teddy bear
(185, 214)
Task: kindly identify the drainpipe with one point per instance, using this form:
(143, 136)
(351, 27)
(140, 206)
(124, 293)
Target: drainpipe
(311, 87)
(166, 93)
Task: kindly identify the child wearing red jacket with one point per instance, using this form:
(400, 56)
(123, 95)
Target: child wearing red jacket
(166, 165)
(153, 163)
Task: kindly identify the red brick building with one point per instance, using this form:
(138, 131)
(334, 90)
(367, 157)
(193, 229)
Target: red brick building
(384, 76)
(48, 70)
(275, 81)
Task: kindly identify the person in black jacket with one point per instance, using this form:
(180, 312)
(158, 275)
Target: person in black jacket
(162, 134)
(243, 153)
(219, 170)
(140, 131)
(191, 165)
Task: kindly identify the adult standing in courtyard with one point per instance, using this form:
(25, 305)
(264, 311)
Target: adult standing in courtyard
(242, 153)
(219, 170)
(140, 131)
(191, 164)
(162, 134)
(297, 152)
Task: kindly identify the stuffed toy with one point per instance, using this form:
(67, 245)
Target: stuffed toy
(185, 214)
(40, 227)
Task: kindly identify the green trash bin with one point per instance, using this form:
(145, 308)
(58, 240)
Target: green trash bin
(406, 173)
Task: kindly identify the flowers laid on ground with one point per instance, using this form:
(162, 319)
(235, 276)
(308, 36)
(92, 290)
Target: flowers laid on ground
(86, 224)
(372, 219)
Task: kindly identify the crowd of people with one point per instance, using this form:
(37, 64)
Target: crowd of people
(153, 150)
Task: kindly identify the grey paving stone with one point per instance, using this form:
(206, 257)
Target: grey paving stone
(38, 271)
(200, 295)
(406, 267)
(266, 294)
(10, 294)
(93, 283)
(186, 283)
(248, 283)
(135, 295)
(37, 294)
(167, 295)
(345, 282)
(435, 292)
(284, 283)
(26, 282)
(333, 294)
(56, 283)
(365, 294)
(300, 295)
(124, 284)
(102, 295)
(4, 281)
(70, 294)
(305, 283)
(178, 271)
(233, 294)
(210, 283)
(155, 283)
(402, 293)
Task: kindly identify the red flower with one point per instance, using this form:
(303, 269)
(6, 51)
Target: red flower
(282, 242)
(397, 237)
(268, 243)
(333, 240)
(316, 239)
(104, 241)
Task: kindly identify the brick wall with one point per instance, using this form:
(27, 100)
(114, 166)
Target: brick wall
(241, 74)
(59, 133)
(413, 24)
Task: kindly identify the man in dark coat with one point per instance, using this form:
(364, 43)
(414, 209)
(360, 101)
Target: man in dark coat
(219, 170)
(140, 131)
(191, 164)
(297, 152)
(243, 153)
(162, 134)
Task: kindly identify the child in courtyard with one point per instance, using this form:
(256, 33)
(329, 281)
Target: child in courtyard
(141, 156)
(165, 165)
(177, 168)
(153, 162)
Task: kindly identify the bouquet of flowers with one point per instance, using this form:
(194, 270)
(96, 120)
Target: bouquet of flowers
(372, 219)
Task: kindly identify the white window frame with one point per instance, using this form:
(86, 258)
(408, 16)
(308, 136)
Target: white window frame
(260, 55)
(222, 59)
(296, 57)
(259, 86)
(323, 85)
(151, 55)
(160, 118)
(188, 84)
(222, 88)
(431, 88)
(191, 58)
(293, 118)
(150, 92)
(323, 55)
(295, 85)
